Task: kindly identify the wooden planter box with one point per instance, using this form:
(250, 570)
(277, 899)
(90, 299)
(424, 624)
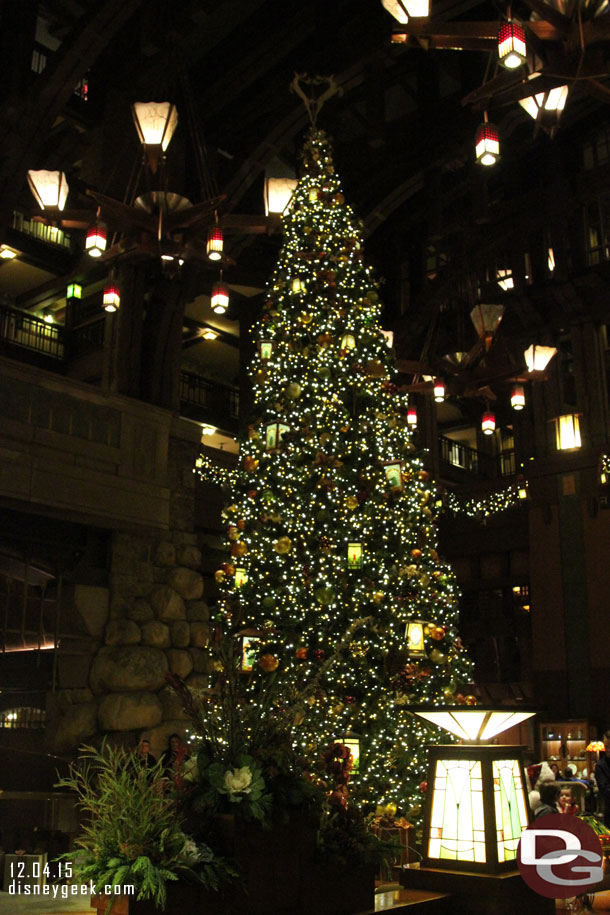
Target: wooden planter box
(278, 876)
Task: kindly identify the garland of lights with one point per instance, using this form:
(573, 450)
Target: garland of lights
(492, 504)
(209, 472)
(605, 465)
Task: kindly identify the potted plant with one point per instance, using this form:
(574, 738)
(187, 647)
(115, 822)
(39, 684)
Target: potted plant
(132, 837)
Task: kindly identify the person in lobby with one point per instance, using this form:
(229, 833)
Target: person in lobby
(145, 757)
(549, 799)
(174, 756)
(602, 777)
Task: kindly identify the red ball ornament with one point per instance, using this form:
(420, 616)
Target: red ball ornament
(301, 652)
(319, 653)
(423, 787)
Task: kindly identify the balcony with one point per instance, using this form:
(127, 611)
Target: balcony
(209, 402)
(459, 461)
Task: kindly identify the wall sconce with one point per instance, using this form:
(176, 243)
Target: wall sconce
(393, 475)
(567, 432)
(220, 299)
(538, 357)
(273, 435)
(155, 123)
(265, 348)
(517, 397)
(439, 390)
(354, 555)
(488, 423)
(415, 632)
(278, 194)
(6, 253)
(476, 805)
(50, 189)
(208, 334)
(112, 297)
(214, 244)
(512, 49)
(96, 239)
(206, 429)
(74, 291)
(487, 143)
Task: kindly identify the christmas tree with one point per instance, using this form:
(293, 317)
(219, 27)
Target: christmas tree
(334, 583)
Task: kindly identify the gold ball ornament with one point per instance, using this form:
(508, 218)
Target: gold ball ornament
(438, 656)
(378, 596)
(219, 576)
(305, 318)
(283, 545)
(250, 463)
(268, 663)
(470, 700)
(239, 549)
(234, 533)
(293, 390)
(437, 633)
(416, 554)
(390, 810)
(351, 502)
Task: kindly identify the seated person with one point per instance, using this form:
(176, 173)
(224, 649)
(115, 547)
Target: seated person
(549, 797)
(567, 802)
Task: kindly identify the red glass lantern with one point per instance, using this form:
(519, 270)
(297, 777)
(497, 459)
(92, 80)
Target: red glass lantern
(214, 245)
(439, 390)
(112, 297)
(487, 144)
(488, 423)
(412, 417)
(220, 299)
(95, 242)
(512, 49)
(517, 397)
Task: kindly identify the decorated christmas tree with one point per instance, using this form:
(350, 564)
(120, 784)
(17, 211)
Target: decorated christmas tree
(334, 586)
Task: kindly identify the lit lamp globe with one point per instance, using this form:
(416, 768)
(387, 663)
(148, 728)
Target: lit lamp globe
(476, 805)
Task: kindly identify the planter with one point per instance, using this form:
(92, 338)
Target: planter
(182, 898)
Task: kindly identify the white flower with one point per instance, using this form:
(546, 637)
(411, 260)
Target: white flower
(190, 771)
(238, 780)
(190, 853)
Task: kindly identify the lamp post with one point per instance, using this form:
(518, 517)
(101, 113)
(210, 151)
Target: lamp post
(476, 809)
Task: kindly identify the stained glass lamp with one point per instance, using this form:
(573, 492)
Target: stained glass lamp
(476, 805)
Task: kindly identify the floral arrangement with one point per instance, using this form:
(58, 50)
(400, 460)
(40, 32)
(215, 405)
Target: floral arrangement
(133, 833)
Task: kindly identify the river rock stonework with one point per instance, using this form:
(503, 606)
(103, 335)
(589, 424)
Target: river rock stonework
(156, 622)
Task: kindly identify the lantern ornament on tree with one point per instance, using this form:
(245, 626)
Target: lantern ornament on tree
(249, 646)
(298, 285)
(487, 143)
(273, 435)
(241, 577)
(112, 297)
(488, 423)
(50, 189)
(96, 239)
(512, 49)
(393, 475)
(352, 742)
(415, 633)
(214, 244)
(355, 556)
(517, 397)
(476, 804)
(348, 341)
(220, 299)
(155, 123)
(265, 348)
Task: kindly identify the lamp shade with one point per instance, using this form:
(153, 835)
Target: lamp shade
(412, 416)
(155, 122)
(546, 107)
(517, 397)
(567, 432)
(538, 357)
(487, 144)
(439, 390)
(112, 297)
(512, 49)
(278, 193)
(474, 724)
(96, 238)
(486, 319)
(403, 10)
(49, 188)
(214, 244)
(220, 299)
